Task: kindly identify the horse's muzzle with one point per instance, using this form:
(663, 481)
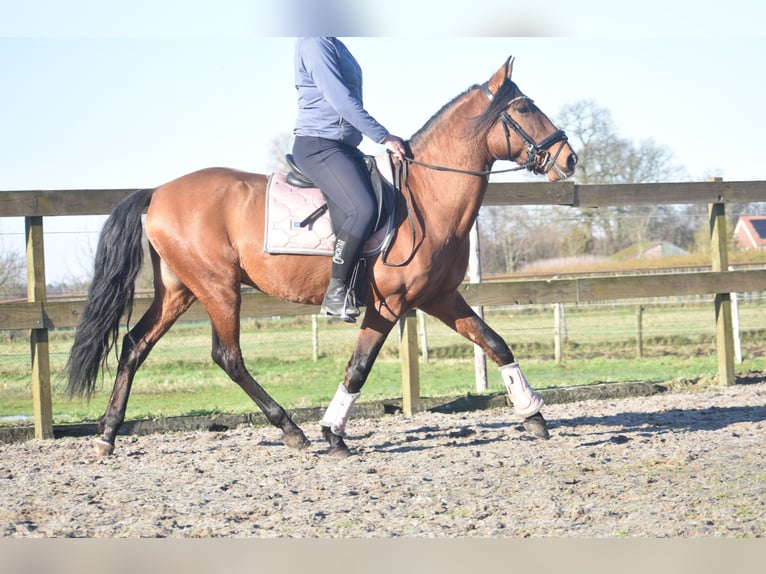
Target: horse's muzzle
(562, 164)
(571, 162)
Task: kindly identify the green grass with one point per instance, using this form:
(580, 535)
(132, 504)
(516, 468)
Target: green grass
(179, 377)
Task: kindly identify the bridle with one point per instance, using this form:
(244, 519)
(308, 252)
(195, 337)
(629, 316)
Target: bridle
(539, 159)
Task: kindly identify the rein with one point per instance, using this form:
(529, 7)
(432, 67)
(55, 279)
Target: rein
(401, 177)
(480, 173)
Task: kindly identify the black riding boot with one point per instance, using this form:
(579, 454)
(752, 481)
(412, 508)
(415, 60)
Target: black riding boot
(339, 301)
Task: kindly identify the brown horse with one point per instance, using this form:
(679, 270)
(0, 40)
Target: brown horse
(206, 232)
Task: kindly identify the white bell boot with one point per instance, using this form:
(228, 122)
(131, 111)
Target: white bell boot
(525, 402)
(336, 415)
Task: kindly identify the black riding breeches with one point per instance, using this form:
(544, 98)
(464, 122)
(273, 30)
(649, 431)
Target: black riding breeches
(340, 172)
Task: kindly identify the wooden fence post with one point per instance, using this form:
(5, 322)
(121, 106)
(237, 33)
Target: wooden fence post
(314, 338)
(408, 353)
(423, 336)
(474, 276)
(723, 320)
(558, 332)
(735, 327)
(640, 332)
(38, 339)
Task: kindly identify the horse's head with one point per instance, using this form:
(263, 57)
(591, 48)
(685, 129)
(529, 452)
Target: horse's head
(519, 131)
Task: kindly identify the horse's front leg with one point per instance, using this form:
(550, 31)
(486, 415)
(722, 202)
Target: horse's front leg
(457, 314)
(371, 337)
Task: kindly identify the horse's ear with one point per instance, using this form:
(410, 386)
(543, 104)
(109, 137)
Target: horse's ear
(503, 74)
(509, 67)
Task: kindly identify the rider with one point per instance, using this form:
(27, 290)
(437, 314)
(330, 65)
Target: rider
(330, 125)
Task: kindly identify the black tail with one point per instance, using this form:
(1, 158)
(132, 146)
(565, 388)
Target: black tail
(119, 256)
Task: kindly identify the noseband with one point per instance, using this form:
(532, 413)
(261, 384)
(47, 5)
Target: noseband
(539, 159)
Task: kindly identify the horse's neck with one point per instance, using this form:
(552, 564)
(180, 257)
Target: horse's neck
(452, 200)
(451, 205)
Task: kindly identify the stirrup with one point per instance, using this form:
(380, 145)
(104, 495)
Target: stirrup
(339, 301)
(346, 315)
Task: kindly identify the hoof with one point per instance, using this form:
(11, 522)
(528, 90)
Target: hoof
(296, 441)
(338, 448)
(339, 452)
(103, 448)
(537, 426)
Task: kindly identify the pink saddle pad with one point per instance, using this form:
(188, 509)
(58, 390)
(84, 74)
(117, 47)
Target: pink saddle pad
(287, 206)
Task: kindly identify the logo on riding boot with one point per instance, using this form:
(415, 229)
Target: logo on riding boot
(338, 255)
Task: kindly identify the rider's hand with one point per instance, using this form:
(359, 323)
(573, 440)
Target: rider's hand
(395, 145)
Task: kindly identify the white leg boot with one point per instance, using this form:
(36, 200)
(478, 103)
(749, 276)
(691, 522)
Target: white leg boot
(525, 402)
(336, 415)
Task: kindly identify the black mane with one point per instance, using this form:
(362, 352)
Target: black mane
(482, 122)
(505, 94)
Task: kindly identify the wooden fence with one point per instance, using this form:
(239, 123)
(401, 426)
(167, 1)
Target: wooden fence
(40, 315)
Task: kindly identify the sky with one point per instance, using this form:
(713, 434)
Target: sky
(100, 94)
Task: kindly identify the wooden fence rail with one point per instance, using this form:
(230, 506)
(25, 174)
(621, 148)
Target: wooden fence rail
(40, 315)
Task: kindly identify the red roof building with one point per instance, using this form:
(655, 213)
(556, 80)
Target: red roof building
(750, 232)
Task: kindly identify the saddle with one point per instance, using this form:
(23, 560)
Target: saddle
(297, 218)
(297, 178)
(298, 222)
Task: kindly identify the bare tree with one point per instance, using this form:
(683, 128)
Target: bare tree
(605, 157)
(281, 144)
(514, 237)
(12, 280)
(517, 236)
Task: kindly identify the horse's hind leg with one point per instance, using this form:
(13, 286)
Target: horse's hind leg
(228, 355)
(457, 314)
(136, 345)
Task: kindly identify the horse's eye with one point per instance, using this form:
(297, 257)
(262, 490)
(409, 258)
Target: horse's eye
(523, 109)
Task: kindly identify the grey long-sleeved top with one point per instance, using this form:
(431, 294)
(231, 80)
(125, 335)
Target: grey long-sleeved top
(329, 83)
